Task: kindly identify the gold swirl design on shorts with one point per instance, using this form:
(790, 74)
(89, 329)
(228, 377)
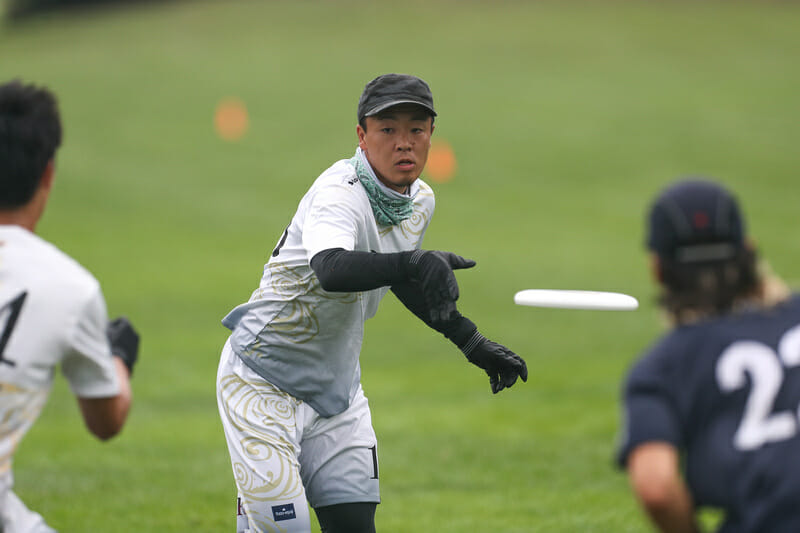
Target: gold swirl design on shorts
(264, 461)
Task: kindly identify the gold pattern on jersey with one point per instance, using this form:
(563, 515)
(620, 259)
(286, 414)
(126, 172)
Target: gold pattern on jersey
(292, 282)
(287, 281)
(296, 321)
(412, 228)
(19, 408)
(294, 317)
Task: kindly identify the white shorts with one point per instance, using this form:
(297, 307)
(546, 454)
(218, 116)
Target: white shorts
(285, 456)
(16, 518)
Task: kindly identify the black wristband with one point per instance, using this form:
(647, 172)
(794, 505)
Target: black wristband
(472, 342)
(460, 331)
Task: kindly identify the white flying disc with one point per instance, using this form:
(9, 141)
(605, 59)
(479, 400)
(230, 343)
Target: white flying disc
(571, 299)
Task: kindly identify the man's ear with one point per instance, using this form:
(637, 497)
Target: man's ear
(361, 133)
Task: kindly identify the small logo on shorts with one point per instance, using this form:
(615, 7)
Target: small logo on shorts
(283, 512)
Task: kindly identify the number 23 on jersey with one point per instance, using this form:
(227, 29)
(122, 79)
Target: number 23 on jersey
(760, 424)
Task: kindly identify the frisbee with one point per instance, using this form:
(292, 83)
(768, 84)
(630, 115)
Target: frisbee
(574, 299)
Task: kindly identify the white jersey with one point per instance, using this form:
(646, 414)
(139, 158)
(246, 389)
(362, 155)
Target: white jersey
(300, 338)
(52, 312)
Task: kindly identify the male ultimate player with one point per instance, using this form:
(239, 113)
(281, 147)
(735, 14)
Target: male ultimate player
(712, 408)
(52, 310)
(295, 416)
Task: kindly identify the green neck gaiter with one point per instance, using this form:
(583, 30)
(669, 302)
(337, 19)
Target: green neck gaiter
(389, 210)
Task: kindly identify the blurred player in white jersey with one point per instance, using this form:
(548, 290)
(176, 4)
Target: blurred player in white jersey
(52, 311)
(295, 416)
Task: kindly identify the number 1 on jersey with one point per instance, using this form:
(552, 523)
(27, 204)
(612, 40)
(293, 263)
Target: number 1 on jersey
(13, 307)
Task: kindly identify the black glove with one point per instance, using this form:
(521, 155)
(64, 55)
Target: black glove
(124, 341)
(433, 270)
(501, 364)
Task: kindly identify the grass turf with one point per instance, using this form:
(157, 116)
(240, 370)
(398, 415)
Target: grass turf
(565, 119)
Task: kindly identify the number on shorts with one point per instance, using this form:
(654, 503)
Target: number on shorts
(759, 424)
(374, 450)
(14, 307)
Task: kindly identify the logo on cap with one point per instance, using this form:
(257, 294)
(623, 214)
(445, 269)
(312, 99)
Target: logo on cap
(695, 220)
(700, 219)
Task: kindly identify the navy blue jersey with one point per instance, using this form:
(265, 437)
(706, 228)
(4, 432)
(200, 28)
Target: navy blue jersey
(725, 392)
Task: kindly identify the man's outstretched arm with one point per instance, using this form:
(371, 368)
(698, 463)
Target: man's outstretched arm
(424, 281)
(340, 270)
(501, 364)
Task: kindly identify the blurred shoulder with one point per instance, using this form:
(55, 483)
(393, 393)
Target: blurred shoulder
(664, 356)
(42, 261)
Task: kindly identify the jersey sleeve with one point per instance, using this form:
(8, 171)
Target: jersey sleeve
(88, 365)
(650, 415)
(331, 220)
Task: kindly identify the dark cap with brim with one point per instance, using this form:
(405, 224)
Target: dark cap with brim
(695, 220)
(390, 90)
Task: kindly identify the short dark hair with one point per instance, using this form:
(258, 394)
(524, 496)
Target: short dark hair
(30, 134)
(709, 288)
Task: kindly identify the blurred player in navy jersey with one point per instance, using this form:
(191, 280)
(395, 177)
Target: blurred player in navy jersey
(52, 310)
(711, 409)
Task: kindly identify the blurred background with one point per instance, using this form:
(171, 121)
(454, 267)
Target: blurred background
(192, 129)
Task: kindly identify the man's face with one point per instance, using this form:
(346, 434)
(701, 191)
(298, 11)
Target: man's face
(396, 143)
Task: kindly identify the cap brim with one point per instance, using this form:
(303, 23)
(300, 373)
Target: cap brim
(386, 105)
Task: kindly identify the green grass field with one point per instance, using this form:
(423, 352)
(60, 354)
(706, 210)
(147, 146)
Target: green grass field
(565, 117)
